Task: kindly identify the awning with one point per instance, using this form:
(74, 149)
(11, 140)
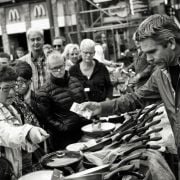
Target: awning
(15, 28)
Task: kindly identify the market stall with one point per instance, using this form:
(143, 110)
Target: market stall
(132, 148)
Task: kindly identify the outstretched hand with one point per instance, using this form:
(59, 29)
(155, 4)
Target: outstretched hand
(38, 135)
(95, 107)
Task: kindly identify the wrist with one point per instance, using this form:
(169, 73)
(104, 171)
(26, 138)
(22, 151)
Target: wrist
(28, 137)
(138, 76)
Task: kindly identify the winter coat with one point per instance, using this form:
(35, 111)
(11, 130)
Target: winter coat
(55, 99)
(98, 86)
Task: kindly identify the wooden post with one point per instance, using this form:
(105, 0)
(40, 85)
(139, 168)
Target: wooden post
(65, 19)
(51, 20)
(114, 46)
(78, 20)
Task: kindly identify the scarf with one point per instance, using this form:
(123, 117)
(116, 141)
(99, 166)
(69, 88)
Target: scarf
(60, 81)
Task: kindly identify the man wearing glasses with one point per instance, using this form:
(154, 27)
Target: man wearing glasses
(58, 44)
(55, 100)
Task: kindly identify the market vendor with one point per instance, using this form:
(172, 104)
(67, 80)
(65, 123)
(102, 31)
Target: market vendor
(159, 38)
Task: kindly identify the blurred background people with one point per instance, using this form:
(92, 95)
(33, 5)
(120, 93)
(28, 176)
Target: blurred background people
(19, 52)
(142, 68)
(102, 40)
(100, 52)
(71, 54)
(47, 49)
(58, 44)
(4, 58)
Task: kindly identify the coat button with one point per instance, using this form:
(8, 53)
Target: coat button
(177, 109)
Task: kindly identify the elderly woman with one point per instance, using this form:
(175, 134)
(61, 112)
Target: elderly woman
(18, 139)
(71, 54)
(93, 75)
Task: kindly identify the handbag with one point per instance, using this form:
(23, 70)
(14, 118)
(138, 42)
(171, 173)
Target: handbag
(6, 168)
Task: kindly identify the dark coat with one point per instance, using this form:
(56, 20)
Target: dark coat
(55, 99)
(99, 83)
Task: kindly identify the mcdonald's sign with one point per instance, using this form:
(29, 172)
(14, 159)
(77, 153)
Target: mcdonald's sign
(39, 10)
(14, 15)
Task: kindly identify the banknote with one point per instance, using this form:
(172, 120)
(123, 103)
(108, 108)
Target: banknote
(76, 108)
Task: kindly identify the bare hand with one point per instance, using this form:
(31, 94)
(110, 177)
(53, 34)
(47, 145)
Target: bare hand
(95, 107)
(37, 135)
(134, 80)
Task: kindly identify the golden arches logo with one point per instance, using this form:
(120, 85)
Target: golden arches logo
(39, 10)
(14, 15)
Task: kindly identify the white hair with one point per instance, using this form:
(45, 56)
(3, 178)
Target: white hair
(87, 43)
(54, 55)
(69, 48)
(32, 29)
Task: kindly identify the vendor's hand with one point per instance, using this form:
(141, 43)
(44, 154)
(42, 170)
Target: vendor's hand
(113, 64)
(95, 107)
(37, 135)
(134, 80)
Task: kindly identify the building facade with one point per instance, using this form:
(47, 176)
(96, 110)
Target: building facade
(77, 19)
(16, 18)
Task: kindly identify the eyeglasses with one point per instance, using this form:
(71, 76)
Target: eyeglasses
(72, 54)
(86, 53)
(6, 89)
(57, 69)
(57, 45)
(21, 82)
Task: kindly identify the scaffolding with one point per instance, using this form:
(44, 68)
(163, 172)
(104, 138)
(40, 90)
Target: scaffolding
(93, 18)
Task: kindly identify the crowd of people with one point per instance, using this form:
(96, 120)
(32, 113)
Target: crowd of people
(38, 89)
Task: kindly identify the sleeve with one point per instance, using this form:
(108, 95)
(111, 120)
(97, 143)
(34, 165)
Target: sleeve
(146, 72)
(108, 84)
(54, 121)
(145, 95)
(13, 136)
(131, 66)
(43, 104)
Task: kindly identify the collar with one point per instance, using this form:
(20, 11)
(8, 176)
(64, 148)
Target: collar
(40, 59)
(27, 96)
(60, 81)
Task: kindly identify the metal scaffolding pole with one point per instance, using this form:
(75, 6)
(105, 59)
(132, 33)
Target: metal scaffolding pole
(51, 19)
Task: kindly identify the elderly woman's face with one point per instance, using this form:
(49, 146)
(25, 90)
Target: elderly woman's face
(87, 53)
(22, 85)
(74, 55)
